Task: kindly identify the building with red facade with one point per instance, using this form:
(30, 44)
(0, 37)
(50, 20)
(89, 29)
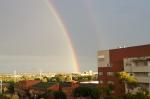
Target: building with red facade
(112, 61)
(22, 87)
(43, 87)
(36, 87)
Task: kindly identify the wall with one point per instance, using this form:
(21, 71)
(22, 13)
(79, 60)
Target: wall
(116, 61)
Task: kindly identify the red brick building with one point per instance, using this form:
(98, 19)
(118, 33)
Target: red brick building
(43, 87)
(22, 87)
(111, 61)
(36, 87)
(68, 88)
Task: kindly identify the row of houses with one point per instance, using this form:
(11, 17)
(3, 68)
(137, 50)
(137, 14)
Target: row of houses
(37, 87)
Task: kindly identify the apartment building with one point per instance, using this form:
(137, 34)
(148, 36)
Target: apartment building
(113, 60)
(139, 67)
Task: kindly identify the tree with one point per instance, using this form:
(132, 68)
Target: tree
(36, 78)
(11, 87)
(60, 78)
(82, 92)
(108, 90)
(87, 92)
(128, 79)
(45, 79)
(24, 77)
(53, 79)
(68, 78)
(138, 95)
(59, 95)
(75, 77)
(84, 78)
(96, 93)
(15, 96)
(47, 95)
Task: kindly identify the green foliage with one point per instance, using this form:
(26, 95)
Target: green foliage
(130, 80)
(75, 76)
(78, 77)
(108, 90)
(126, 77)
(138, 95)
(24, 77)
(36, 78)
(11, 87)
(114, 97)
(84, 78)
(60, 78)
(47, 95)
(68, 78)
(53, 79)
(82, 92)
(93, 93)
(96, 93)
(59, 95)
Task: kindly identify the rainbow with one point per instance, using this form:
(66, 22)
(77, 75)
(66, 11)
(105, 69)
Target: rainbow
(66, 34)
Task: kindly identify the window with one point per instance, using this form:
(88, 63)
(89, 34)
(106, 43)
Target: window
(109, 65)
(101, 58)
(110, 82)
(110, 73)
(100, 81)
(100, 73)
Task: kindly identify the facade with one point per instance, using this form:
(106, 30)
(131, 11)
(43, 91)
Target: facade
(36, 87)
(22, 87)
(68, 88)
(112, 61)
(139, 67)
(43, 87)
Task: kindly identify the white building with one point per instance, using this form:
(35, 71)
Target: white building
(139, 67)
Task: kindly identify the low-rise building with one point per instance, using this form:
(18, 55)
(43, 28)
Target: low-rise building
(22, 87)
(68, 88)
(43, 87)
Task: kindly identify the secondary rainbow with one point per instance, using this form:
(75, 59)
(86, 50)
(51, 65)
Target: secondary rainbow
(66, 34)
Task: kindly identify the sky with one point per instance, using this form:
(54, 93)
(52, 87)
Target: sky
(32, 41)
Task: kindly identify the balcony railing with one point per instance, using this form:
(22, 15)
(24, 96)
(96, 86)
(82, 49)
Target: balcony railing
(143, 79)
(137, 68)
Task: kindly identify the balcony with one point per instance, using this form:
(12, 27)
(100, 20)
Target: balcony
(143, 79)
(137, 68)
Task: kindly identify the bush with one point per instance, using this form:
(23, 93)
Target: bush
(59, 95)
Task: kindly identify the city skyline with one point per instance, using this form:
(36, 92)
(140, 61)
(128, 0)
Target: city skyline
(32, 39)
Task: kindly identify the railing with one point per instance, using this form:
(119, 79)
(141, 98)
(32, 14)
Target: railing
(137, 68)
(143, 79)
